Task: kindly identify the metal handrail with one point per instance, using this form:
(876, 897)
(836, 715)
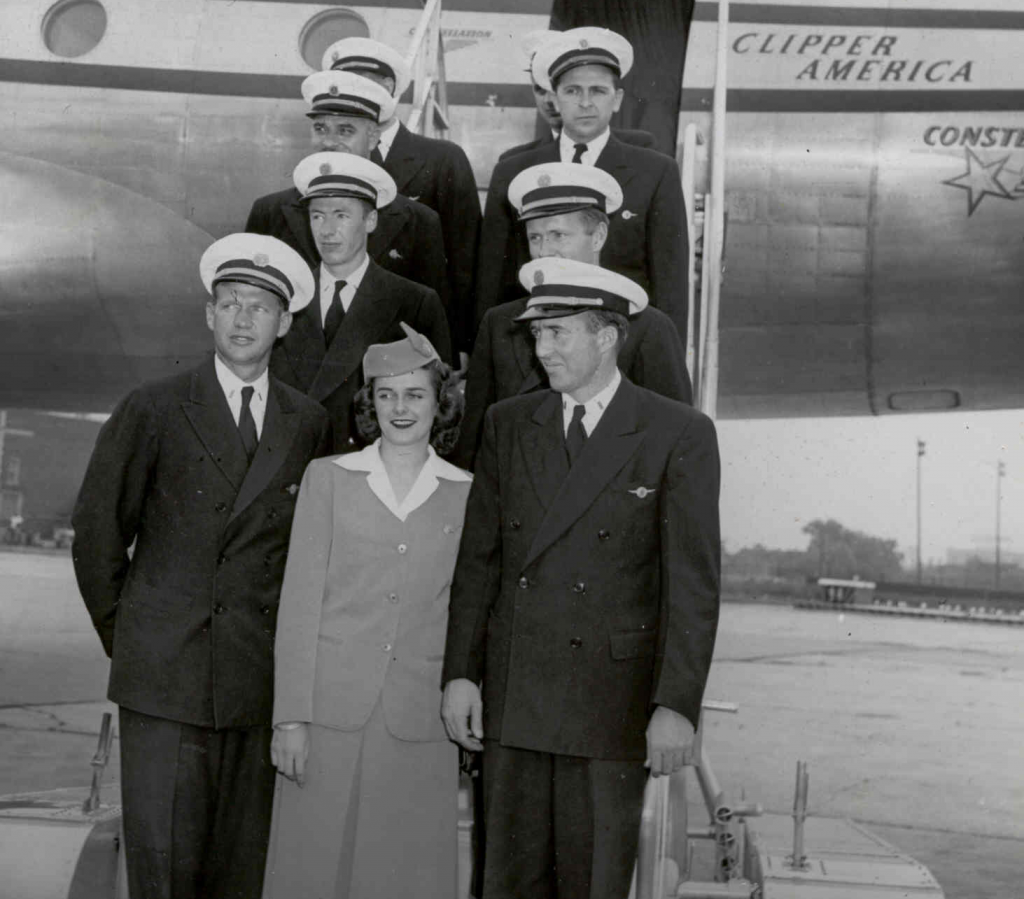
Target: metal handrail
(425, 56)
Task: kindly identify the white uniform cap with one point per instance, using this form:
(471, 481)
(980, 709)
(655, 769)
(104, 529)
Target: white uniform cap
(580, 47)
(335, 174)
(262, 261)
(345, 93)
(362, 56)
(562, 287)
(554, 188)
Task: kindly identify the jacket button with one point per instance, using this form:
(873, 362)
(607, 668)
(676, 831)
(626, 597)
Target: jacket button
(386, 647)
(221, 507)
(219, 609)
(524, 582)
(221, 559)
(579, 587)
(265, 610)
(514, 524)
(575, 642)
(402, 548)
(392, 597)
(603, 534)
(272, 513)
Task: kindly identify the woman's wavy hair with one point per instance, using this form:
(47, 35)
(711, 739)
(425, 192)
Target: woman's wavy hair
(444, 433)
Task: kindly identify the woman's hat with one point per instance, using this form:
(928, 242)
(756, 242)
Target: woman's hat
(385, 360)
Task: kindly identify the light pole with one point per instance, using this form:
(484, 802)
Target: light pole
(1000, 474)
(920, 453)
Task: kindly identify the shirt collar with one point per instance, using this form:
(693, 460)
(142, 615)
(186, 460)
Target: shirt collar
(597, 403)
(594, 146)
(230, 383)
(387, 137)
(353, 280)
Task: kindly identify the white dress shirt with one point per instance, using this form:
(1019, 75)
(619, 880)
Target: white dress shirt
(377, 479)
(387, 138)
(567, 147)
(348, 292)
(232, 386)
(594, 407)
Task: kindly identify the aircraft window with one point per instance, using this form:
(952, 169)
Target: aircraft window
(74, 27)
(327, 27)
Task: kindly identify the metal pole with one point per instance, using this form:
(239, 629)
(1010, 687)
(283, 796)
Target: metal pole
(920, 453)
(1000, 473)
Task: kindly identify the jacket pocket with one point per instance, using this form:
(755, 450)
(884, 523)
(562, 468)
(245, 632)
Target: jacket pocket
(633, 644)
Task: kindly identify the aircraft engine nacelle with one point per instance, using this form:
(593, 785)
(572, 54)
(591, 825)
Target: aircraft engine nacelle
(99, 289)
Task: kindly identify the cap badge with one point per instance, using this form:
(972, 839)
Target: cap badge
(641, 492)
(584, 45)
(544, 181)
(261, 259)
(335, 56)
(333, 90)
(538, 277)
(325, 169)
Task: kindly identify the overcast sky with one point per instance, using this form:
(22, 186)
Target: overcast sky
(777, 475)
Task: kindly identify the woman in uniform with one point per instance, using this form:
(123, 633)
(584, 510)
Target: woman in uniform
(366, 806)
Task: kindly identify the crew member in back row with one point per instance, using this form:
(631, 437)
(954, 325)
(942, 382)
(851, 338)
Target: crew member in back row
(647, 238)
(200, 471)
(564, 210)
(345, 113)
(544, 99)
(356, 302)
(432, 171)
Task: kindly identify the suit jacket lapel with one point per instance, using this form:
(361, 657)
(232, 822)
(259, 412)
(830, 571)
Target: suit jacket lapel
(391, 221)
(402, 162)
(280, 424)
(297, 218)
(615, 439)
(367, 319)
(613, 161)
(543, 445)
(210, 416)
(304, 343)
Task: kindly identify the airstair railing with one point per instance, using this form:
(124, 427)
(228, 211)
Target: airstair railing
(429, 115)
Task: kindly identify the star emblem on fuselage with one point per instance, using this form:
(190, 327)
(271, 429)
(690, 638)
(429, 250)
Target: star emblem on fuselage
(981, 180)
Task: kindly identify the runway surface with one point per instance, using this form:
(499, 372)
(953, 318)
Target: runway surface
(914, 728)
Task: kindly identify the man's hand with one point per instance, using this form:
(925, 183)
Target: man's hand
(669, 741)
(462, 711)
(289, 750)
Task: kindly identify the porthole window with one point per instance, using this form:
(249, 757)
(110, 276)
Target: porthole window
(327, 27)
(74, 27)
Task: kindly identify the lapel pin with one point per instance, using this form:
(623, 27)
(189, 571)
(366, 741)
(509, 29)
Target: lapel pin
(627, 215)
(415, 199)
(641, 492)
(394, 254)
(292, 489)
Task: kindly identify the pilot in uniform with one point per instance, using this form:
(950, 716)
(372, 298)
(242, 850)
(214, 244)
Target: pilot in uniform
(356, 302)
(431, 171)
(345, 112)
(647, 237)
(585, 598)
(545, 102)
(564, 208)
(200, 471)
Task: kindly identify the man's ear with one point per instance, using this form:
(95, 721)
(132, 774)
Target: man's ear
(284, 323)
(599, 236)
(619, 94)
(371, 221)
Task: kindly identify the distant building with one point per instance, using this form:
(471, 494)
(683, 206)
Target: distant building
(985, 554)
(40, 475)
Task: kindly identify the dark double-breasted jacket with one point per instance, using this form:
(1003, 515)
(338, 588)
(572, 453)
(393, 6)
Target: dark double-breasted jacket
(504, 364)
(647, 239)
(332, 375)
(407, 241)
(584, 597)
(438, 174)
(188, 620)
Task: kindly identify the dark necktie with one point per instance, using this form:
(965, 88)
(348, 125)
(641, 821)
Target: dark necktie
(580, 150)
(247, 424)
(335, 313)
(376, 158)
(576, 436)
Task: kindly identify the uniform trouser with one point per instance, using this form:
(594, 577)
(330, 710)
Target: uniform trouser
(557, 826)
(196, 805)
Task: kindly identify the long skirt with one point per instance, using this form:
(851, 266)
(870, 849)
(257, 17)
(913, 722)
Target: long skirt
(377, 817)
